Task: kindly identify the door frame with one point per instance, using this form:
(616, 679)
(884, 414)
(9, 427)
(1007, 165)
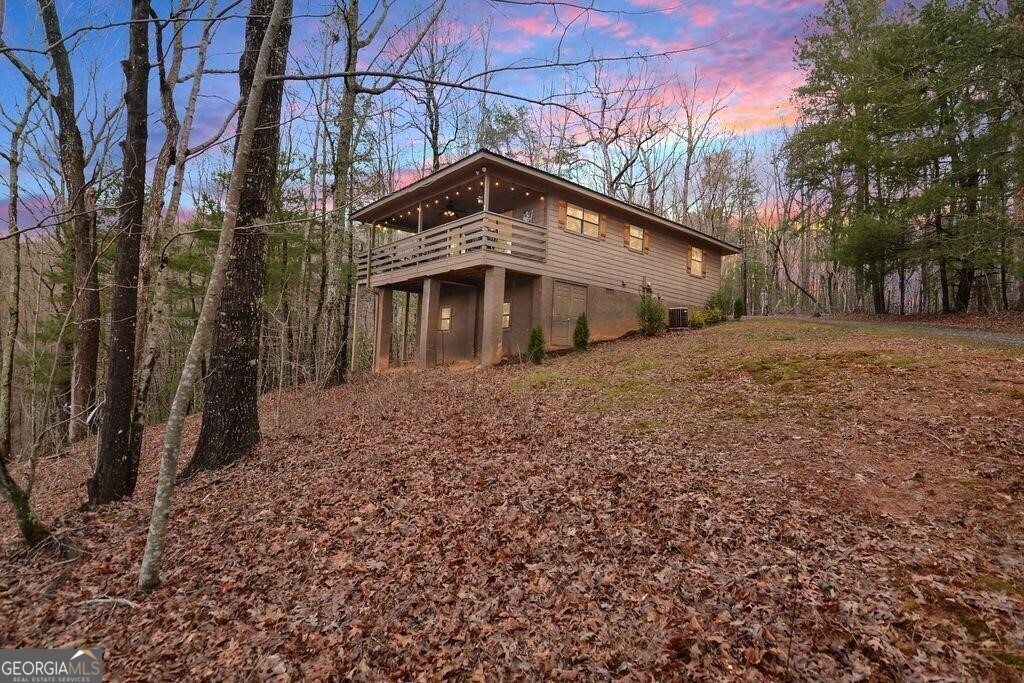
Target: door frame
(586, 297)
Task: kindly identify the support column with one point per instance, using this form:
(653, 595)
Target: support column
(405, 330)
(543, 291)
(494, 296)
(430, 317)
(382, 337)
(356, 331)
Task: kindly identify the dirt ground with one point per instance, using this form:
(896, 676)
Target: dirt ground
(762, 500)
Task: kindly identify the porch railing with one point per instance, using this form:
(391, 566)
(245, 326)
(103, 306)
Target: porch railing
(482, 232)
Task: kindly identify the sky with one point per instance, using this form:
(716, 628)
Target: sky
(741, 47)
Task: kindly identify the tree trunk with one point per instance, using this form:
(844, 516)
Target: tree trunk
(32, 530)
(149, 574)
(964, 286)
(117, 467)
(152, 305)
(903, 287)
(86, 290)
(947, 306)
(338, 360)
(231, 425)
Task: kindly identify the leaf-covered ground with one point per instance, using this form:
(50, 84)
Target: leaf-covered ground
(999, 321)
(757, 500)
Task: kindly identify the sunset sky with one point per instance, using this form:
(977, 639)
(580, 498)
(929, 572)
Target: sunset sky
(742, 46)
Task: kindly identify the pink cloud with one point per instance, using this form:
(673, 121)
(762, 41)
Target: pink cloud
(535, 25)
(667, 6)
(702, 15)
(780, 5)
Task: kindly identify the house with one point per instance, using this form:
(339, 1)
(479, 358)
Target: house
(497, 247)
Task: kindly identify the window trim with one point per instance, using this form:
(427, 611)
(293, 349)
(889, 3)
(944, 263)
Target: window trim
(642, 238)
(506, 315)
(700, 252)
(583, 221)
(444, 323)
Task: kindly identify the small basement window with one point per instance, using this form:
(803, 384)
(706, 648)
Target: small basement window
(446, 319)
(583, 221)
(506, 315)
(636, 238)
(696, 262)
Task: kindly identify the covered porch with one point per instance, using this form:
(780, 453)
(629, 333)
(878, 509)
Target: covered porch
(475, 315)
(469, 266)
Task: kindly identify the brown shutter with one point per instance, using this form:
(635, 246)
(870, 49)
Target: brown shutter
(625, 235)
(689, 259)
(704, 263)
(561, 214)
(602, 223)
(647, 240)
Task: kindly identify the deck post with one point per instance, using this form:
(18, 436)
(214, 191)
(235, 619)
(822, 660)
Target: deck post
(405, 329)
(543, 291)
(355, 327)
(494, 296)
(382, 337)
(430, 316)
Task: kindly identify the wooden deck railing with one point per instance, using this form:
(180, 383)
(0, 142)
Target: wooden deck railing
(482, 232)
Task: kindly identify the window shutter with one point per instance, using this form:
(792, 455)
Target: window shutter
(603, 226)
(704, 264)
(625, 234)
(647, 240)
(561, 214)
(689, 259)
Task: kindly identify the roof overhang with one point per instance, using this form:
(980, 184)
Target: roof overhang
(484, 159)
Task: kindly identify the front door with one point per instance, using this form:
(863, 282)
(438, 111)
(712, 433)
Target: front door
(570, 302)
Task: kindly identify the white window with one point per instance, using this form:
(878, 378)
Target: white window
(446, 319)
(636, 238)
(583, 221)
(696, 262)
(506, 315)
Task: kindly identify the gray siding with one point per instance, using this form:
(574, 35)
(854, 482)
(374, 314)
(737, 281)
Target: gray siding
(609, 263)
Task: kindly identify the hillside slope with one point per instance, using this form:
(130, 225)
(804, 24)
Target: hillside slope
(753, 499)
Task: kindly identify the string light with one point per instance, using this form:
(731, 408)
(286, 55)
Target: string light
(449, 209)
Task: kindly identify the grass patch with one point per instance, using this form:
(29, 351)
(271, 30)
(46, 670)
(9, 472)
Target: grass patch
(1011, 659)
(641, 365)
(994, 584)
(537, 379)
(634, 392)
(779, 368)
(975, 627)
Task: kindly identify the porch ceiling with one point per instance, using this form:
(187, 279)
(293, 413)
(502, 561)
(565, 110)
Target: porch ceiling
(461, 195)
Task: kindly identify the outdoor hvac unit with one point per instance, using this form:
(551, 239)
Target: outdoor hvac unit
(676, 318)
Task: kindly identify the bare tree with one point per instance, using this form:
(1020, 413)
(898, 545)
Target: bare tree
(152, 304)
(352, 23)
(86, 299)
(117, 467)
(32, 530)
(440, 57)
(231, 424)
(699, 132)
(149, 574)
(626, 118)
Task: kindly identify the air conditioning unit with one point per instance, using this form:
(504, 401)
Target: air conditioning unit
(677, 318)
